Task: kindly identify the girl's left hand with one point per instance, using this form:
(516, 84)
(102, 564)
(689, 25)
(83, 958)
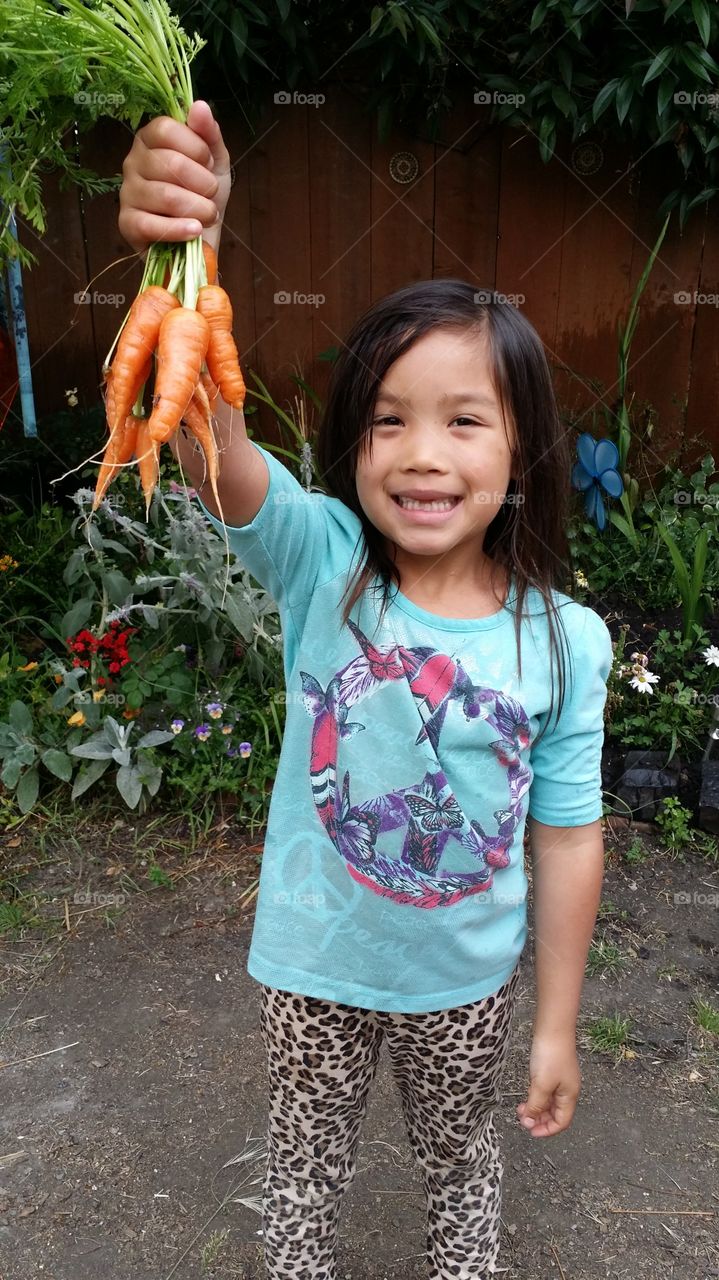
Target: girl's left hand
(555, 1082)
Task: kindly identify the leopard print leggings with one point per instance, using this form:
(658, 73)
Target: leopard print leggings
(322, 1058)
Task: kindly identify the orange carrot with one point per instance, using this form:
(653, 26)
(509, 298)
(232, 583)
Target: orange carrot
(119, 450)
(222, 359)
(181, 349)
(210, 262)
(135, 347)
(211, 390)
(147, 452)
(197, 416)
(110, 416)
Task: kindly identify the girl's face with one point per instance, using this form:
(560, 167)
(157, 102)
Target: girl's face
(437, 430)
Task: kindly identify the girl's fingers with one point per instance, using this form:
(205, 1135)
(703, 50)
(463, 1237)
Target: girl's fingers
(170, 201)
(163, 165)
(141, 229)
(165, 133)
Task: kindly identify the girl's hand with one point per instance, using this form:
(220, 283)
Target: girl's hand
(176, 181)
(555, 1082)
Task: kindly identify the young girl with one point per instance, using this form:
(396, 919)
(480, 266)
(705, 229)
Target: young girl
(423, 628)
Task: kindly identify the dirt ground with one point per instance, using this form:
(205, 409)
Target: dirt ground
(132, 1081)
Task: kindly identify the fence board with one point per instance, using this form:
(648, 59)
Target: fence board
(340, 178)
(466, 215)
(60, 332)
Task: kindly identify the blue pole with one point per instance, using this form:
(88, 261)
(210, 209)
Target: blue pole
(18, 318)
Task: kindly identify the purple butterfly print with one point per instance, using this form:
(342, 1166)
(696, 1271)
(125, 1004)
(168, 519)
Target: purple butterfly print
(473, 695)
(316, 702)
(356, 830)
(434, 814)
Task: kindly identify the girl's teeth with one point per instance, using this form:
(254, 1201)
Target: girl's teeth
(413, 505)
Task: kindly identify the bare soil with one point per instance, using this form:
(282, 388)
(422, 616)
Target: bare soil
(132, 1079)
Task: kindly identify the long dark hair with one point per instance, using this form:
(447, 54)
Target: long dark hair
(527, 536)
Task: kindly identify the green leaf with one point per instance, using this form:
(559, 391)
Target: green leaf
(564, 100)
(665, 93)
(605, 96)
(376, 18)
(61, 697)
(74, 566)
(156, 737)
(429, 31)
(672, 8)
(76, 617)
(11, 773)
(694, 63)
(27, 790)
(20, 718)
(284, 7)
(122, 755)
(625, 94)
(129, 785)
(58, 762)
(658, 64)
(87, 775)
(118, 587)
(538, 15)
(702, 17)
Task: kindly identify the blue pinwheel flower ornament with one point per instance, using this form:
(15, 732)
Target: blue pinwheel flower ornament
(595, 471)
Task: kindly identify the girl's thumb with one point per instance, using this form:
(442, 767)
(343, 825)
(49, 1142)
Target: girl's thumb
(201, 120)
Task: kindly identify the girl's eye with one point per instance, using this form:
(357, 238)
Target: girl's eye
(390, 420)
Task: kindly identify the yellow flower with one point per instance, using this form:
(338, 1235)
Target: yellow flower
(77, 718)
(98, 694)
(7, 562)
(131, 714)
(58, 679)
(29, 666)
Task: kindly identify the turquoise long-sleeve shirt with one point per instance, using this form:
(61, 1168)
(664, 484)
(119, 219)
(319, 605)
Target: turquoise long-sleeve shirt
(393, 874)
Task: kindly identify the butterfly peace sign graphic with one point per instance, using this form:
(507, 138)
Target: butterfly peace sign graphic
(428, 812)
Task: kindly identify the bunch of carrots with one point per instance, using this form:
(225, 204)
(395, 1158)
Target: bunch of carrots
(182, 327)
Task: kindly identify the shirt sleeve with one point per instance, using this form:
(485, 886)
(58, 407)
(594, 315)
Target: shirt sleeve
(297, 540)
(566, 787)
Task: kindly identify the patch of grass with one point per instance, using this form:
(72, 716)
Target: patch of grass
(158, 876)
(705, 1016)
(604, 958)
(212, 1246)
(609, 911)
(669, 971)
(636, 852)
(707, 846)
(608, 1035)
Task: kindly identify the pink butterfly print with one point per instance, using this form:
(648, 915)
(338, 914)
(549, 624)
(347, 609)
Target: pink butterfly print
(366, 673)
(316, 702)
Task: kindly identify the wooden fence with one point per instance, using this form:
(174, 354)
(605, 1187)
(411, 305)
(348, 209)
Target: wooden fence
(320, 207)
